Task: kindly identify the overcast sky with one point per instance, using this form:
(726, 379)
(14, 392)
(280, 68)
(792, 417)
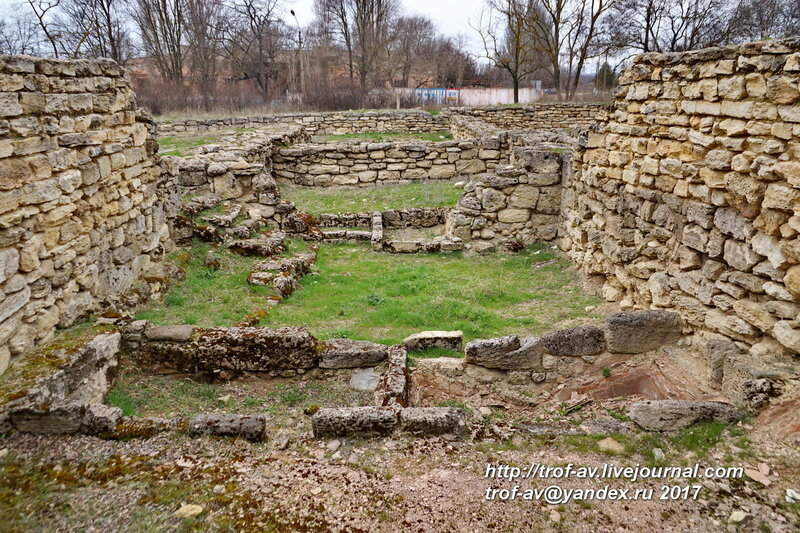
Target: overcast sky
(451, 16)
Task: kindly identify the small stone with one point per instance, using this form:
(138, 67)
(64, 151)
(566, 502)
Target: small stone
(365, 380)
(555, 516)
(610, 445)
(738, 517)
(189, 510)
(485, 411)
(218, 489)
(755, 475)
(334, 445)
(658, 454)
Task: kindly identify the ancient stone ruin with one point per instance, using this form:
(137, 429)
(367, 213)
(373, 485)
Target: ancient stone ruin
(679, 203)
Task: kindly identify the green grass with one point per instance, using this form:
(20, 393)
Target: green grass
(385, 297)
(699, 438)
(175, 145)
(208, 297)
(436, 136)
(356, 293)
(317, 200)
(141, 394)
(162, 395)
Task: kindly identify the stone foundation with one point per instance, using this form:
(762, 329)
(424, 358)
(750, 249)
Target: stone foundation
(83, 200)
(688, 197)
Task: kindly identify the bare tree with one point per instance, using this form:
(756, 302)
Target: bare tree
(414, 41)
(334, 19)
(43, 11)
(570, 30)
(364, 29)
(512, 36)
(253, 37)
(20, 35)
(95, 28)
(162, 25)
(761, 19)
(205, 22)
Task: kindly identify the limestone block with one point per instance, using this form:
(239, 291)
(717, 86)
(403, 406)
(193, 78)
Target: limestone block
(669, 415)
(524, 196)
(641, 331)
(433, 420)
(250, 427)
(740, 255)
(578, 341)
(448, 340)
(505, 353)
(513, 215)
(788, 334)
(362, 421)
(347, 353)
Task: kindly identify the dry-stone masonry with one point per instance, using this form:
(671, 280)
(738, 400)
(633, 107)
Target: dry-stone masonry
(83, 205)
(537, 116)
(329, 123)
(367, 164)
(688, 197)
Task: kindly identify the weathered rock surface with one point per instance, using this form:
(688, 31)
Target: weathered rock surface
(641, 331)
(347, 353)
(395, 384)
(667, 415)
(250, 427)
(251, 349)
(448, 340)
(433, 420)
(582, 340)
(363, 421)
(506, 353)
(365, 380)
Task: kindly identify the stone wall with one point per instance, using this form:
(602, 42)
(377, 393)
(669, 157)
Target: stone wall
(688, 197)
(367, 164)
(514, 206)
(82, 207)
(331, 123)
(536, 116)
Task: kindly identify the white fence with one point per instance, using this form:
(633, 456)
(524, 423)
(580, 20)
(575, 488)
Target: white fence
(472, 97)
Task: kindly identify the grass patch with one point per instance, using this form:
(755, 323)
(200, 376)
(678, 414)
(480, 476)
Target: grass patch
(139, 393)
(383, 297)
(209, 297)
(317, 200)
(436, 136)
(159, 395)
(356, 293)
(175, 145)
(699, 438)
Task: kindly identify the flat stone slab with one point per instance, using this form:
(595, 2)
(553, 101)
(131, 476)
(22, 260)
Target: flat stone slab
(364, 421)
(250, 427)
(573, 342)
(348, 353)
(433, 420)
(365, 380)
(249, 349)
(506, 353)
(667, 415)
(448, 340)
(179, 333)
(641, 331)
